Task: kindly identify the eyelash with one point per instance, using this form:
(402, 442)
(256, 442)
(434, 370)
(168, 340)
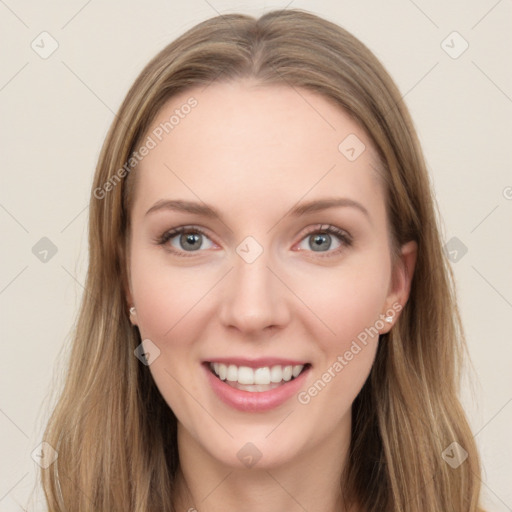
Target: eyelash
(343, 236)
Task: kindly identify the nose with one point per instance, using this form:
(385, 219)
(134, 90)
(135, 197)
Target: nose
(254, 299)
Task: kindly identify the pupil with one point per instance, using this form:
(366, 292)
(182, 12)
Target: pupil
(190, 238)
(318, 240)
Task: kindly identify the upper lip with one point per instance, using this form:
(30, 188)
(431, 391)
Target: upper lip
(256, 363)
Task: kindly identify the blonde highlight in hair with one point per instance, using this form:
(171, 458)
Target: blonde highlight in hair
(115, 434)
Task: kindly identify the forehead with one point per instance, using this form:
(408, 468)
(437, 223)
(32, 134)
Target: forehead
(247, 145)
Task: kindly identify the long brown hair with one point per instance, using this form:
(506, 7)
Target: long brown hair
(114, 433)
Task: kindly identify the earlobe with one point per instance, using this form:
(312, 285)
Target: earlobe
(401, 282)
(129, 298)
(133, 315)
(129, 303)
(409, 254)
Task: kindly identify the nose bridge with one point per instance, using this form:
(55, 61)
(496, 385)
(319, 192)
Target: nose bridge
(254, 298)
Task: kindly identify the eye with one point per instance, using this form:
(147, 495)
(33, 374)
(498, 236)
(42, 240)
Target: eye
(185, 239)
(320, 239)
(191, 239)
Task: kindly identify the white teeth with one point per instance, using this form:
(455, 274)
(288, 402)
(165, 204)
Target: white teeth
(255, 388)
(297, 369)
(287, 373)
(256, 376)
(232, 373)
(262, 375)
(245, 375)
(276, 374)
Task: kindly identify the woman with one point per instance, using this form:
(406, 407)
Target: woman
(223, 359)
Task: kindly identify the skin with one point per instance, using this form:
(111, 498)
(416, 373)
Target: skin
(253, 152)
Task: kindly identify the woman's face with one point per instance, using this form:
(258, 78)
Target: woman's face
(260, 288)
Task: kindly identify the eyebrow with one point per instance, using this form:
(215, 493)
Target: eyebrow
(209, 211)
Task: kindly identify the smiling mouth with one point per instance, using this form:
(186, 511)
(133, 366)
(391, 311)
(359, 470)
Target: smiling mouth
(260, 379)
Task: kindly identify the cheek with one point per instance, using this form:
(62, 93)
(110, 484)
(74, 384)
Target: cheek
(168, 303)
(347, 299)
(349, 302)
(164, 294)
(351, 309)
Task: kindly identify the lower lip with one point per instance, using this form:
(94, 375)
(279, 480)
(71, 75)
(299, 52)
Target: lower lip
(257, 401)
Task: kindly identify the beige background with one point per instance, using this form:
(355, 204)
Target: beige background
(55, 113)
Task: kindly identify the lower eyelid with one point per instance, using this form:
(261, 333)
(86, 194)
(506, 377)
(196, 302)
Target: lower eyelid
(343, 244)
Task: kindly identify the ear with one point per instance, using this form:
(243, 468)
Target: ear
(129, 306)
(127, 287)
(401, 280)
(132, 313)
